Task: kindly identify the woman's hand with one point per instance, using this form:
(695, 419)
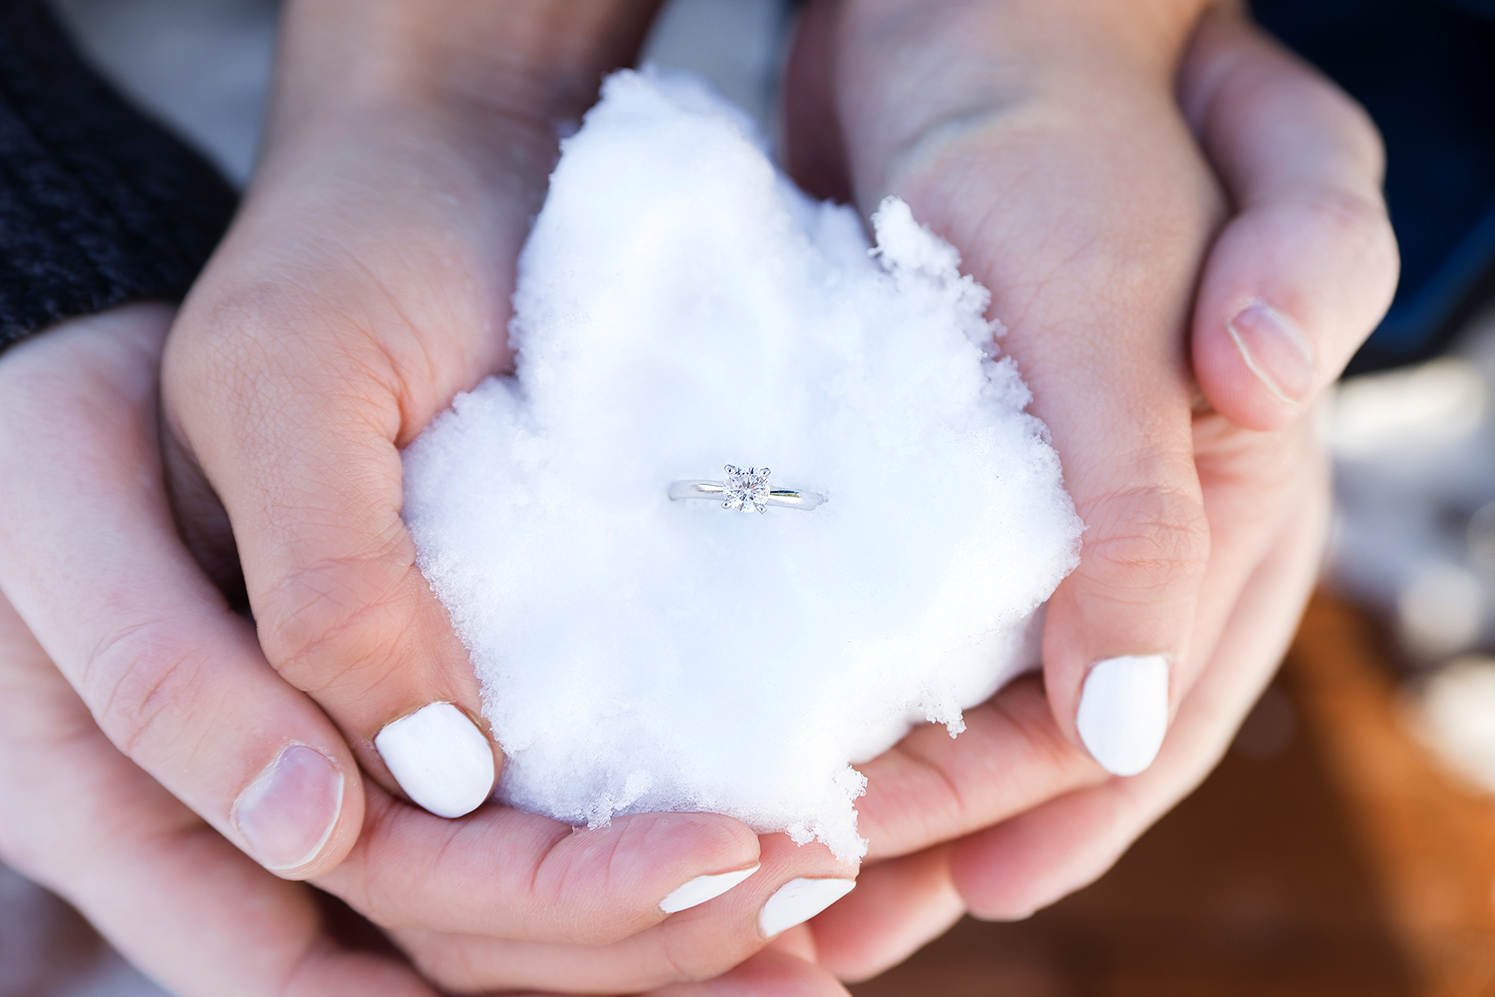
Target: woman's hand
(1054, 154)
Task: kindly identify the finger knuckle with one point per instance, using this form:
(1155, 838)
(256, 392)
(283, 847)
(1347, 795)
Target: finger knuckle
(254, 317)
(226, 344)
(338, 616)
(1357, 220)
(682, 958)
(141, 682)
(252, 353)
(1147, 540)
(449, 961)
(571, 886)
(375, 879)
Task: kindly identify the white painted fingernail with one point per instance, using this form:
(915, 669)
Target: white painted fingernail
(1124, 712)
(702, 889)
(287, 813)
(440, 759)
(799, 900)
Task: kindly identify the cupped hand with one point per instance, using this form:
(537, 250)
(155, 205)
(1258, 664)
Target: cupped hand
(1046, 141)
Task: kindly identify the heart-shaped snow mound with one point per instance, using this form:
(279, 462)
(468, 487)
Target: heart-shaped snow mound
(681, 307)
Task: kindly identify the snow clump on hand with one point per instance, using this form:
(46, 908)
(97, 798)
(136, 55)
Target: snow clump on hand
(681, 306)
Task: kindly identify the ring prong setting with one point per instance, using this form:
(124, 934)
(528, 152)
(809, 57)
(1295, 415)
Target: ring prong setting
(746, 489)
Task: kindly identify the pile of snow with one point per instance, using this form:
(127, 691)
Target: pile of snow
(681, 306)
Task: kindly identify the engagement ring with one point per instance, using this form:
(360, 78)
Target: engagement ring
(746, 489)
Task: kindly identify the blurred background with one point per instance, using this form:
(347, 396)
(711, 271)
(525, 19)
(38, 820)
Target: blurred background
(1346, 845)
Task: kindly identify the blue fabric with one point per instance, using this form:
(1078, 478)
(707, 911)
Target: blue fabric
(1425, 70)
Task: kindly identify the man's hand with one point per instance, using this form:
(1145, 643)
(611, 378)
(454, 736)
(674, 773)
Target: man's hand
(89, 553)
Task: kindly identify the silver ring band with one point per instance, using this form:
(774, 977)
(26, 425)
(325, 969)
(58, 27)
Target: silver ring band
(745, 490)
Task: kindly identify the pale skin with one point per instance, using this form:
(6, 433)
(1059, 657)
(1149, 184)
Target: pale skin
(361, 287)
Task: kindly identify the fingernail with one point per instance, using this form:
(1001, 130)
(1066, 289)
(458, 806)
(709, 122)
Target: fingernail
(1275, 349)
(1124, 712)
(287, 813)
(799, 900)
(702, 889)
(440, 759)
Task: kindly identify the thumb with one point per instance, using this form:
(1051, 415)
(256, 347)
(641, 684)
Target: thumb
(1307, 266)
(1118, 627)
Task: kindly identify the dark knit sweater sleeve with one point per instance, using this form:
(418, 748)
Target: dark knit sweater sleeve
(98, 204)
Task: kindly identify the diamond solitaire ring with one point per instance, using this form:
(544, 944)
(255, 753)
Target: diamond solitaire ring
(745, 490)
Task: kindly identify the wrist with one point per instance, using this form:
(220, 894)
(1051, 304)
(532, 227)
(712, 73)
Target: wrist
(917, 80)
(1151, 32)
(530, 63)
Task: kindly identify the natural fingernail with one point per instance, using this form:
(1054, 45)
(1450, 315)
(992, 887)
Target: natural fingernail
(1124, 712)
(799, 900)
(1275, 349)
(287, 813)
(702, 889)
(440, 759)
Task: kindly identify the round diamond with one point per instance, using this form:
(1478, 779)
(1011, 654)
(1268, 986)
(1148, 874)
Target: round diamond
(746, 489)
